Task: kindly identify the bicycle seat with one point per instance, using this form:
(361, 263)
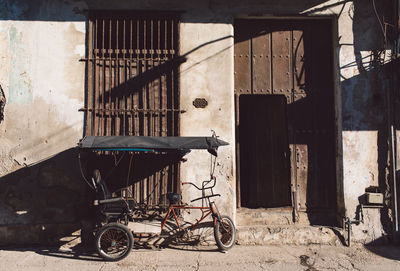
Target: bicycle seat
(173, 198)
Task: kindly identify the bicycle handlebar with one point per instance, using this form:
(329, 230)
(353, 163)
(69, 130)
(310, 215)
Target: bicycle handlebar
(192, 184)
(205, 197)
(203, 186)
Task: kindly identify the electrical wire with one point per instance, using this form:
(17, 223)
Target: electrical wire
(212, 166)
(380, 22)
(128, 176)
(83, 175)
(116, 164)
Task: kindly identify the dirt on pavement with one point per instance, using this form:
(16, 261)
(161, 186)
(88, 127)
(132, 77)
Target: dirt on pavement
(310, 258)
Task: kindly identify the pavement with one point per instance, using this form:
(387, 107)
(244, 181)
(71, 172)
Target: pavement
(310, 258)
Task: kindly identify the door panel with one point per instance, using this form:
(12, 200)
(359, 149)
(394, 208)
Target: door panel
(261, 48)
(263, 148)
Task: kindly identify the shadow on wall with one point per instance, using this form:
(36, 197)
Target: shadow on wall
(365, 96)
(372, 22)
(44, 202)
(42, 10)
(381, 248)
(365, 108)
(73, 10)
(49, 201)
(123, 170)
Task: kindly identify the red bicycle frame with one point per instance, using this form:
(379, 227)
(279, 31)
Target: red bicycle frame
(205, 212)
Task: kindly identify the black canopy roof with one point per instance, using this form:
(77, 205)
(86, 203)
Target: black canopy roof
(143, 143)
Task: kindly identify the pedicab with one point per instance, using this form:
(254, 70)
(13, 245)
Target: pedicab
(113, 238)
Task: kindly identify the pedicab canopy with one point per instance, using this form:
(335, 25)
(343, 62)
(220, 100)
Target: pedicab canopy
(150, 143)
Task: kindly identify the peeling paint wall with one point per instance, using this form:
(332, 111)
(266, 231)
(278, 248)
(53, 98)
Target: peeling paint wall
(43, 81)
(365, 83)
(204, 76)
(41, 42)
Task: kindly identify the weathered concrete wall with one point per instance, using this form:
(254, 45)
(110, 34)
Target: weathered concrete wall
(43, 81)
(42, 194)
(40, 45)
(365, 82)
(208, 73)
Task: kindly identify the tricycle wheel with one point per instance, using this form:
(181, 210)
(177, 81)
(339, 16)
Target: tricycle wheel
(224, 233)
(114, 241)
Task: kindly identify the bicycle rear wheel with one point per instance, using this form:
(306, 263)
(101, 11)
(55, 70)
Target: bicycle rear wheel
(224, 233)
(114, 241)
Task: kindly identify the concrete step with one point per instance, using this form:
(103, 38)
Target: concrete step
(282, 216)
(286, 235)
(252, 217)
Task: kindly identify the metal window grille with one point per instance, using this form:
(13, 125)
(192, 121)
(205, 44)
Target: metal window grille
(132, 84)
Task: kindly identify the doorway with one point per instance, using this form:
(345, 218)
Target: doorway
(284, 91)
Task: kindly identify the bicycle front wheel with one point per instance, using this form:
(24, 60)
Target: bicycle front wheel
(114, 241)
(224, 233)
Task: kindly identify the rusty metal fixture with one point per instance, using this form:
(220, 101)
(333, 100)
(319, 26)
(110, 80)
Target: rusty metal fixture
(347, 222)
(200, 103)
(3, 101)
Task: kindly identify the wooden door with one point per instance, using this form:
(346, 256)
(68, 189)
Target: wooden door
(293, 59)
(264, 152)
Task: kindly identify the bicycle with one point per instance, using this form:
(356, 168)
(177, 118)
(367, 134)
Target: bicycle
(224, 228)
(113, 239)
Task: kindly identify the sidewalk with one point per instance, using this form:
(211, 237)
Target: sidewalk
(312, 258)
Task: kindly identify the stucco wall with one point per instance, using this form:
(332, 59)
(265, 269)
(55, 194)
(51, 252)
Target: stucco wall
(42, 41)
(43, 81)
(42, 194)
(208, 74)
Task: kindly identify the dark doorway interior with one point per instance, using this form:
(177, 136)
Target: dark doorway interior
(264, 151)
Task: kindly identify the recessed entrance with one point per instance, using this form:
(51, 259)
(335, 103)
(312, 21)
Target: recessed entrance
(285, 115)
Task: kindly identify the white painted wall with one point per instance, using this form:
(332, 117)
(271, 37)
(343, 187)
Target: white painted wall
(44, 85)
(208, 73)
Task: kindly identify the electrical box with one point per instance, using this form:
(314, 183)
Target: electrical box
(374, 198)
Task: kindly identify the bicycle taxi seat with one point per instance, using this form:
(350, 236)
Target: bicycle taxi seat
(110, 206)
(174, 198)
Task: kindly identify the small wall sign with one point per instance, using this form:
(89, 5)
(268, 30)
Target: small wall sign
(200, 103)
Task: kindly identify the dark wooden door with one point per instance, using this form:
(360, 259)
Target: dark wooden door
(291, 58)
(264, 152)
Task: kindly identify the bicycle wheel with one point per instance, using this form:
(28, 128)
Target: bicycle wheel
(224, 233)
(114, 241)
